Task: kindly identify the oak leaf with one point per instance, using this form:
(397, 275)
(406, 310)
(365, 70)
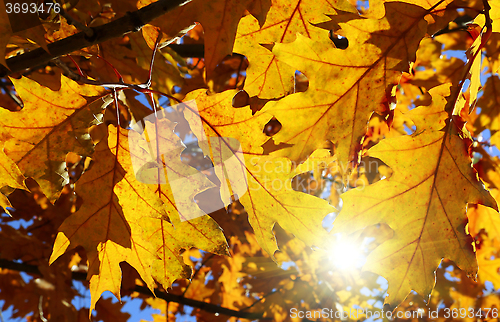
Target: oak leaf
(156, 158)
(345, 88)
(11, 176)
(219, 26)
(109, 223)
(267, 195)
(51, 124)
(135, 213)
(489, 264)
(490, 106)
(266, 76)
(424, 202)
(481, 217)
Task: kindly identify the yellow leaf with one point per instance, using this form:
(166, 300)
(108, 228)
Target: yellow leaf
(495, 15)
(270, 199)
(156, 159)
(156, 152)
(224, 133)
(344, 86)
(134, 212)
(267, 77)
(263, 184)
(424, 202)
(488, 267)
(109, 225)
(10, 175)
(490, 106)
(481, 217)
(5, 203)
(51, 124)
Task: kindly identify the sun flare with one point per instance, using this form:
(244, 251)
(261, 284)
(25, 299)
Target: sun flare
(346, 254)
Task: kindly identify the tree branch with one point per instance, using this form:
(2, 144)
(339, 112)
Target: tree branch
(189, 50)
(198, 304)
(131, 22)
(208, 307)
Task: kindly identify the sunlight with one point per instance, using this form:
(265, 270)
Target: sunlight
(346, 254)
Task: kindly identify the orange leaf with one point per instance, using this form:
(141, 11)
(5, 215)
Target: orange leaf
(219, 26)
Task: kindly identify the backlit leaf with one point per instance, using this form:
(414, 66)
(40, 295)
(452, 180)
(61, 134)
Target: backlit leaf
(266, 192)
(344, 89)
(425, 208)
(110, 223)
(266, 76)
(51, 124)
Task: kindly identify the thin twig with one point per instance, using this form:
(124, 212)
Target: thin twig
(80, 72)
(150, 76)
(261, 299)
(196, 272)
(115, 99)
(118, 86)
(40, 309)
(198, 304)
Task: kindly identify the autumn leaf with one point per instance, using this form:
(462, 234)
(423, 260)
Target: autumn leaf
(11, 176)
(156, 160)
(489, 265)
(28, 27)
(481, 217)
(495, 15)
(109, 224)
(424, 202)
(213, 119)
(135, 211)
(270, 198)
(475, 73)
(51, 124)
(267, 77)
(345, 88)
(489, 104)
(298, 213)
(220, 28)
